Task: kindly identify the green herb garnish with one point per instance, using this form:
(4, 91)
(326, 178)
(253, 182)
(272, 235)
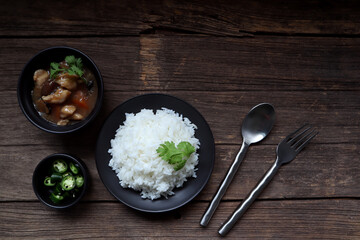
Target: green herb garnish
(176, 156)
(55, 69)
(75, 67)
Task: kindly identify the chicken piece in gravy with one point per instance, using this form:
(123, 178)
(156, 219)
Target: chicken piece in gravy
(67, 81)
(67, 111)
(40, 76)
(59, 96)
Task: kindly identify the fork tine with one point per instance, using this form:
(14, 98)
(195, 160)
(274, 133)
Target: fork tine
(298, 142)
(297, 134)
(306, 142)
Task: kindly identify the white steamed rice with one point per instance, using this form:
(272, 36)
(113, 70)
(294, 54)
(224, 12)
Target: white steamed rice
(134, 157)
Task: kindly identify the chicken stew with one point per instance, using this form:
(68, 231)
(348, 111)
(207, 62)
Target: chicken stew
(65, 93)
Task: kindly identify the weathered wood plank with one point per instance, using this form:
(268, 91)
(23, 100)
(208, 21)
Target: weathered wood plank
(223, 18)
(118, 54)
(335, 113)
(320, 171)
(313, 219)
(170, 47)
(165, 63)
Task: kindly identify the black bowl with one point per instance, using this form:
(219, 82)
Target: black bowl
(42, 170)
(26, 85)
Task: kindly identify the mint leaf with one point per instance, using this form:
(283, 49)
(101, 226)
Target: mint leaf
(176, 156)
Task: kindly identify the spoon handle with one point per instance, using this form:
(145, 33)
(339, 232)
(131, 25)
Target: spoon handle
(224, 185)
(230, 222)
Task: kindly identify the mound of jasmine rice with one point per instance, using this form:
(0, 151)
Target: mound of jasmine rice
(134, 157)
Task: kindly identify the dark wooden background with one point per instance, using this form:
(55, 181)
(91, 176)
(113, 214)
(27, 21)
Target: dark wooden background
(223, 57)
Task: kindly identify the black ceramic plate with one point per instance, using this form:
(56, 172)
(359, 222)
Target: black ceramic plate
(190, 188)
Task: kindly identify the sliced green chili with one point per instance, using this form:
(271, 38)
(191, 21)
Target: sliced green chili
(67, 174)
(73, 168)
(56, 198)
(48, 182)
(56, 177)
(58, 189)
(79, 181)
(68, 183)
(60, 166)
(65, 181)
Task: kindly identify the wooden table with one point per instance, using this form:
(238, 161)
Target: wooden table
(223, 58)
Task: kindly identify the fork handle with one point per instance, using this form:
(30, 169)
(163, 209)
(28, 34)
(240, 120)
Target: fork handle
(230, 222)
(224, 185)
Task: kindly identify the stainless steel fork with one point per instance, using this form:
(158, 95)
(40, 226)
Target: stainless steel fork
(286, 152)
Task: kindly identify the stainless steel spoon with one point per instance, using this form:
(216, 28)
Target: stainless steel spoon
(256, 126)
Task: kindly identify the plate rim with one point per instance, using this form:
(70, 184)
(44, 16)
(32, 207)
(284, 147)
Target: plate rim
(212, 160)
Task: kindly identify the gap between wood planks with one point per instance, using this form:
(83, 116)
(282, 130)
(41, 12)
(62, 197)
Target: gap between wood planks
(145, 91)
(246, 34)
(216, 144)
(173, 31)
(206, 201)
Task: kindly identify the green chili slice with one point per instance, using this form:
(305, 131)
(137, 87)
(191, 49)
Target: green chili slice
(68, 183)
(60, 166)
(58, 189)
(48, 182)
(56, 177)
(79, 181)
(55, 198)
(73, 168)
(67, 174)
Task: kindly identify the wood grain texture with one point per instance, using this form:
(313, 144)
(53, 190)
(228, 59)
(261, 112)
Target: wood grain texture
(335, 113)
(312, 219)
(322, 171)
(181, 62)
(229, 18)
(222, 57)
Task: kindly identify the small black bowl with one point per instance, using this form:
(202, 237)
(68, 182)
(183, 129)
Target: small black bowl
(25, 86)
(42, 170)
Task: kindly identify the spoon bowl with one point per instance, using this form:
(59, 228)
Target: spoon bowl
(258, 123)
